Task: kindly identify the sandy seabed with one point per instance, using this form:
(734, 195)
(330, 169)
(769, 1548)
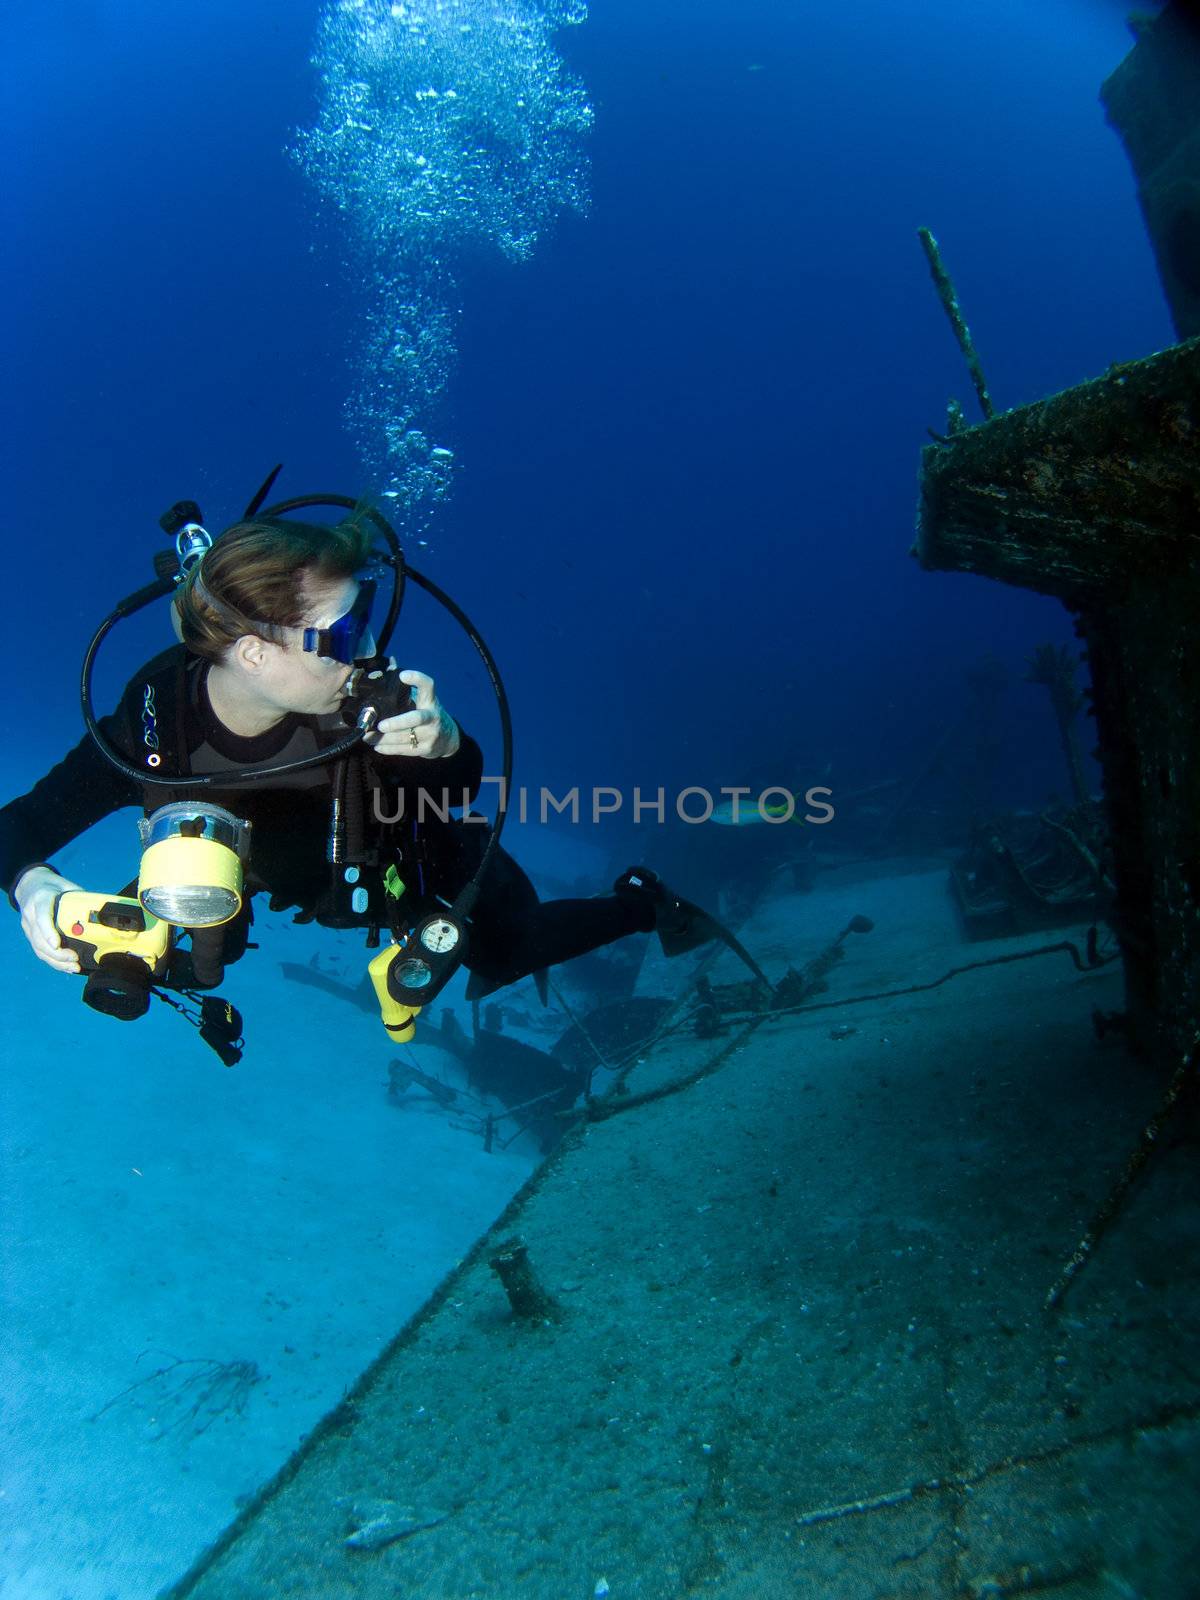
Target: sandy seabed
(811, 1281)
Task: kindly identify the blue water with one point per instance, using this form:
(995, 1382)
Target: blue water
(687, 428)
(686, 423)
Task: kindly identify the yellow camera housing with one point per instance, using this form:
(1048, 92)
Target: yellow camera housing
(99, 925)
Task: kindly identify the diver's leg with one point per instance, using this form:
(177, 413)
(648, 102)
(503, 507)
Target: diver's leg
(513, 933)
(521, 935)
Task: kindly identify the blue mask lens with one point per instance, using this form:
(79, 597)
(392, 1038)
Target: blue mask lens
(342, 640)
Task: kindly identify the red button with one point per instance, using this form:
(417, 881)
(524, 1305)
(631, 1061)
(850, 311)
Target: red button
(77, 928)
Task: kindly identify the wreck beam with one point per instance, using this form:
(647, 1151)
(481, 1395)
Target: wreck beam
(1083, 495)
(1093, 496)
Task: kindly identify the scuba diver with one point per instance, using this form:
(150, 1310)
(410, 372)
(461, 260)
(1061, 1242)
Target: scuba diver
(235, 744)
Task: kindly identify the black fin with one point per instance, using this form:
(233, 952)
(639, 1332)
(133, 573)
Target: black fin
(697, 928)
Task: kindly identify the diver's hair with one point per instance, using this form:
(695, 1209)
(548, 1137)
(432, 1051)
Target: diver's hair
(258, 578)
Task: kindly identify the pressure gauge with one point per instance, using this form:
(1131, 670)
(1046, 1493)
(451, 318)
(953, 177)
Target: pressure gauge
(440, 936)
(409, 974)
(427, 958)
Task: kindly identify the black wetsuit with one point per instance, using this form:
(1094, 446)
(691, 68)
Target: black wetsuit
(165, 713)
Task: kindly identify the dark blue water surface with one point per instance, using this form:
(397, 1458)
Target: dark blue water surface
(689, 427)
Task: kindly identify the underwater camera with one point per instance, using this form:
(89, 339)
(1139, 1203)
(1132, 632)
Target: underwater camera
(121, 949)
(191, 881)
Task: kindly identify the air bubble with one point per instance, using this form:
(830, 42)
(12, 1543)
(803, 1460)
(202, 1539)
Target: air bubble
(475, 139)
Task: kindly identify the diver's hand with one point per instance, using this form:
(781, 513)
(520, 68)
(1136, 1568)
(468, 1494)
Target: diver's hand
(35, 893)
(428, 730)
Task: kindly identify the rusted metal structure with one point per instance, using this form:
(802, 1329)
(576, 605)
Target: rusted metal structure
(1153, 101)
(1093, 495)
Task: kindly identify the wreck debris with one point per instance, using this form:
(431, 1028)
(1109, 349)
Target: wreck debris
(1093, 496)
(529, 1301)
(379, 1523)
(962, 333)
(1084, 495)
(1030, 1577)
(1151, 100)
(795, 987)
(403, 1074)
(1021, 872)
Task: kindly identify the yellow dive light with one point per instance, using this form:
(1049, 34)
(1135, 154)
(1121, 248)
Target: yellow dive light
(193, 855)
(398, 1019)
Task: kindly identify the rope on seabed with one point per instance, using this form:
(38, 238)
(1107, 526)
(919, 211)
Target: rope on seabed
(616, 1099)
(1094, 962)
(1116, 1195)
(1165, 1417)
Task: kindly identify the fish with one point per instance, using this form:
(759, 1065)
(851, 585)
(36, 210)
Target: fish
(744, 811)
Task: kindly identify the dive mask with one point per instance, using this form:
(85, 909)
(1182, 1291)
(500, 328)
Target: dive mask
(343, 640)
